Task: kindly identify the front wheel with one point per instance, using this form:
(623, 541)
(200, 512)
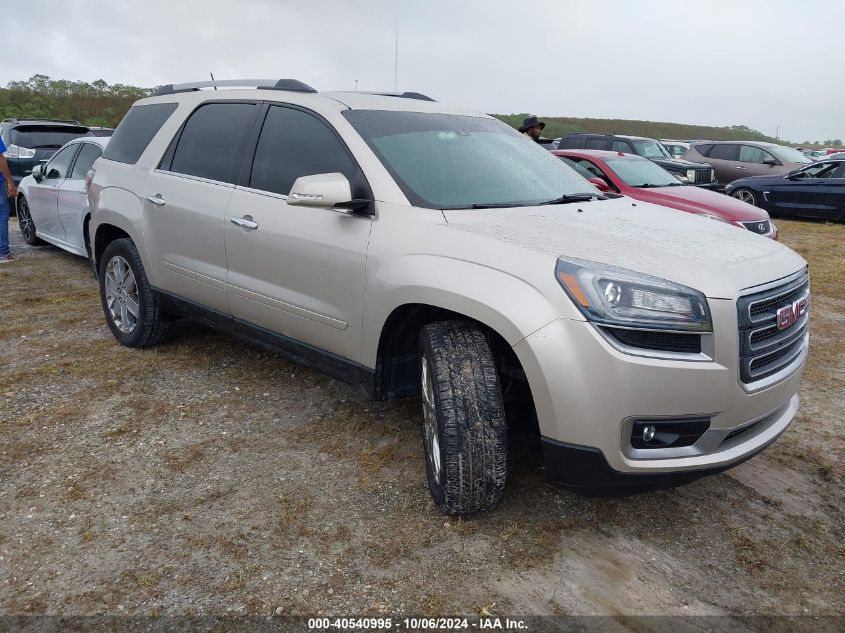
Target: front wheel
(131, 308)
(26, 223)
(463, 418)
(746, 195)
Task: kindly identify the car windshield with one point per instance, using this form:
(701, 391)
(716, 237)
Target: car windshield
(31, 136)
(650, 149)
(640, 172)
(445, 161)
(789, 155)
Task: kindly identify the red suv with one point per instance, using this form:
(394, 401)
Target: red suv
(641, 179)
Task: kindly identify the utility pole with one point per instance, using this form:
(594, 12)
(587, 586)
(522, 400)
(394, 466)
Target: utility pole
(356, 85)
(396, 55)
(777, 130)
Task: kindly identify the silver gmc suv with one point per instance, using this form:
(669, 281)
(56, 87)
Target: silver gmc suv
(409, 247)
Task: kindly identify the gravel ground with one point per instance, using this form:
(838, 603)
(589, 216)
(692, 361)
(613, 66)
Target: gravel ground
(210, 477)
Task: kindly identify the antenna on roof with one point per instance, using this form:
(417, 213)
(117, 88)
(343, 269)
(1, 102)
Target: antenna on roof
(212, 78)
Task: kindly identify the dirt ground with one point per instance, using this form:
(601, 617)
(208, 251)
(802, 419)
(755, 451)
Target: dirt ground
(208, 476)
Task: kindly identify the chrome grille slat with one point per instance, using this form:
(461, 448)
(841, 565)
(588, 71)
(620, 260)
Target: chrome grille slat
(764, 349)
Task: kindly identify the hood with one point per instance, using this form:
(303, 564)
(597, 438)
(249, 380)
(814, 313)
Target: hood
(698, 200)
(679, 163)
(758, 181)
(715, 258)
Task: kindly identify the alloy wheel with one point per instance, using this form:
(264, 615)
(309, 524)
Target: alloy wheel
(745, 195)
(430, 435)
(25, 220)
(122, 295)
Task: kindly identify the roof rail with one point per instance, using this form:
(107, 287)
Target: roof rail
(291, 85)
(71, 121)
(403, 95)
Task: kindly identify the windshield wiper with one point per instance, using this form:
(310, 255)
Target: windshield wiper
(498, 205)
(573, 197)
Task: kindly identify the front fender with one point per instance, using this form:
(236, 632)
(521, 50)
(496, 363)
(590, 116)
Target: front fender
(508, 305)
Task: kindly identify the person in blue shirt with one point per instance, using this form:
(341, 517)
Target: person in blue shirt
(7, 191)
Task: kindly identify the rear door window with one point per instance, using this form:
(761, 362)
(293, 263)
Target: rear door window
(724, 152)
(597, 143)
(85, 161)
(703, 149)
(294, 143)
(210, 141)
(136, 130)
(572, 142)
(60, 164)
(620, 146)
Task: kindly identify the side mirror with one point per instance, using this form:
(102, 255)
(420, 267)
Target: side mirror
(36, 173)
(600, 184)
(325, 191)
(770, 162)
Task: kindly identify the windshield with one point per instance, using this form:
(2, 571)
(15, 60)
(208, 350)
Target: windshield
(445, 161)
(789, 155)
(650, 149)
(636, 173)
(41, 136)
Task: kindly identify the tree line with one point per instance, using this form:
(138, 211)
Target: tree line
(94, 104)
(102, 104)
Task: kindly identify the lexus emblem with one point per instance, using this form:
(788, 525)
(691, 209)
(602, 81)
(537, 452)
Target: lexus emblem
(789, 315)
(762, 227)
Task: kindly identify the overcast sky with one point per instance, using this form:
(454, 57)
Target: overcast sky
(761, 63)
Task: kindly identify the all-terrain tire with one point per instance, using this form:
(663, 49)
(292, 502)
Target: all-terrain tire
(467, 464)
(150, 326)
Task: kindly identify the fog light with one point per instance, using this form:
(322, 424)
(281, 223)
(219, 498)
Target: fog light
(648, 433)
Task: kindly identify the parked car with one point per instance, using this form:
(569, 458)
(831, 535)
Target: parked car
(102, 131)
(737, 159)
(831, 151)
(815, 191)
(675, 148)
(52, 201)
(814, 154)
(409, 247)
(684, 170)
(836, 155)
(641, 179)
(31, 142)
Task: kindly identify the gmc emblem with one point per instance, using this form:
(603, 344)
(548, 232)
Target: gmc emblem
(788, 315)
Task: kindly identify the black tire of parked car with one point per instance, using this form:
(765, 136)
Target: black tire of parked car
(746, 195)
(26, 223)
(152, 327)
(470, 417)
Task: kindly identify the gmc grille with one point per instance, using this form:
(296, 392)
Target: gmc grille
(764, 349)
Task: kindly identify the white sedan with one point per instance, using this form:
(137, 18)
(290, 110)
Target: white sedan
(52, 203)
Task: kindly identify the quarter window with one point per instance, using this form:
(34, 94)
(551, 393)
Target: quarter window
(136, 130)
(294, 143)
(85, 161)
(724, 152)
(596, 143)
(209, 143)
(58, 167)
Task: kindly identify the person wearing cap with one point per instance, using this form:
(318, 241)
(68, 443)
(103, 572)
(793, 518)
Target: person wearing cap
(532, 127)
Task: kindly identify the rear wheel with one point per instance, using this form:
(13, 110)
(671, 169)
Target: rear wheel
(746, 195)
(26, 223)
(463, 418)
(131, 308)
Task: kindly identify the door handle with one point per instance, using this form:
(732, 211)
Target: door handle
(157, 200)
(741, 167)
(244, 222)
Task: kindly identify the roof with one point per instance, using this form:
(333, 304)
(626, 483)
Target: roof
(55, 122)
(596, 153)
(294, 91)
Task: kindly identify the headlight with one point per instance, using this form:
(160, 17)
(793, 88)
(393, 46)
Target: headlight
(616, 296)
(691, 175)
(14, 151)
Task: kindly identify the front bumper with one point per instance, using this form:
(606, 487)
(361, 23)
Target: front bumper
(586, 391)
